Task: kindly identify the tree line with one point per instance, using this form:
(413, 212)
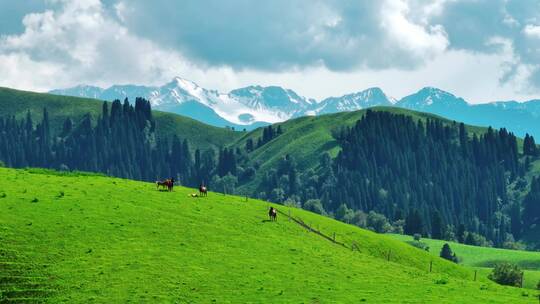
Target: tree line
(120, 142)
(398, 174)
(393, 173)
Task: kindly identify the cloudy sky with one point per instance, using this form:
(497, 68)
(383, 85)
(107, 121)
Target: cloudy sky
(482, 50)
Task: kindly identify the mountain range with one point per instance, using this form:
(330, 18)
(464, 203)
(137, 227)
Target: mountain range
(254, 106)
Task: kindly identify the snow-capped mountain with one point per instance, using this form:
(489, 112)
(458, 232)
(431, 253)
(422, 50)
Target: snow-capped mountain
(431, 98)
(284, 103)
(254, 106)
(81, 91)
(352, 102)
(247, 107)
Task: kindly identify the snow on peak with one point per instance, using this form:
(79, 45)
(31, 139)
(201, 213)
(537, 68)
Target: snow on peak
(431, 97)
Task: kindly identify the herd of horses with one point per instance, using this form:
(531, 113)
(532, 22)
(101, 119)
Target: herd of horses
(168, 185)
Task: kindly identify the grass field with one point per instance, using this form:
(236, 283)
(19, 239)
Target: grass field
(484, 259)
(87, 238)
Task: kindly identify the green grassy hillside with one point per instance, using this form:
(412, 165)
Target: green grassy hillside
(18, 103)
(307, 138)
(484, 258)
(86, 238)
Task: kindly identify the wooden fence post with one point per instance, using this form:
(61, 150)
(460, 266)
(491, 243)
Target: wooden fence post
(475, 275)
(389, 252)
(430, 266)
(521, 283)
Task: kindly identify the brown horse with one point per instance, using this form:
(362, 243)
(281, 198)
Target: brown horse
(203, 191)
(272, 213)
(166, 184)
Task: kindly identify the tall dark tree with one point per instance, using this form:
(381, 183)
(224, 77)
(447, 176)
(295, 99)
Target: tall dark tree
(447, 254)
(436, 225)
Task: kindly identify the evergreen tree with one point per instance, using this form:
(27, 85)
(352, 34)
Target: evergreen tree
(436, 226)
(531, 204)
(446, 253)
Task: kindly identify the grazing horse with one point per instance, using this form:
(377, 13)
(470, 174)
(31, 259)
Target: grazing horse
(166, 184)
(203, 191)
(272, 213)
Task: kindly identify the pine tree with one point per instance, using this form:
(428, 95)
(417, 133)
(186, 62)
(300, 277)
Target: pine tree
(436, 226)
(446, 253)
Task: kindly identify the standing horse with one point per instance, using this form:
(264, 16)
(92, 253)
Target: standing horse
(164, 184)
(171, 184)
(272, 213)
(203, 191)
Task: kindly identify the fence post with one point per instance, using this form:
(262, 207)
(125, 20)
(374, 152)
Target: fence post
(289, 215)
(475, 275)
(521, 283)
(430, 266)
(389, 252)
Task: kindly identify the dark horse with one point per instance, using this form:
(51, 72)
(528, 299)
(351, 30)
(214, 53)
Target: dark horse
(203, 191)
(272, 213)
(168, 183)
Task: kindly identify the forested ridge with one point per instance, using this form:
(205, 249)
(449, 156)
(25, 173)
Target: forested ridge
(393, 173)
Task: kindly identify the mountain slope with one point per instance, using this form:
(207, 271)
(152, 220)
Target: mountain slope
(254, 106)
(308, 138)
(18, 103)
(485, 258)
(352, 102)
(520, 118)
(248, 107)
(83, 237)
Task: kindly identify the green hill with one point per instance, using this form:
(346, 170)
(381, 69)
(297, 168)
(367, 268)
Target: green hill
(18, 103)
(83, 237)
(485, 258)
(307, 138)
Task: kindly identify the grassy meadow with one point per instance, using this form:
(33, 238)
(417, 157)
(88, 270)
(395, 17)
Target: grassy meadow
(83, 238)
(484, 258)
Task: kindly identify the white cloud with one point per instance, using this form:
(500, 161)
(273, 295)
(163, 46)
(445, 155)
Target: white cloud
(423, 41)
(532, 30)
(321, 49)
(82, 43)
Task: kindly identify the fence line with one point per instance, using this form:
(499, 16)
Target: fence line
(354, 245)
(300, 222)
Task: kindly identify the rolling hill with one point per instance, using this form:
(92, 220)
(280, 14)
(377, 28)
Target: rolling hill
(18, 103)
(75, 237)
(307, 138)
(485, 258)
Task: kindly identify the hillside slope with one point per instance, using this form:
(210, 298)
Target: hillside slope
(485, 258)
(81, 238)
(307, 138)
(18, 103)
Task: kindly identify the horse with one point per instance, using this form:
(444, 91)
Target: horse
(166, 184)
(171, 184)
(272, 213)
(203, 191)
